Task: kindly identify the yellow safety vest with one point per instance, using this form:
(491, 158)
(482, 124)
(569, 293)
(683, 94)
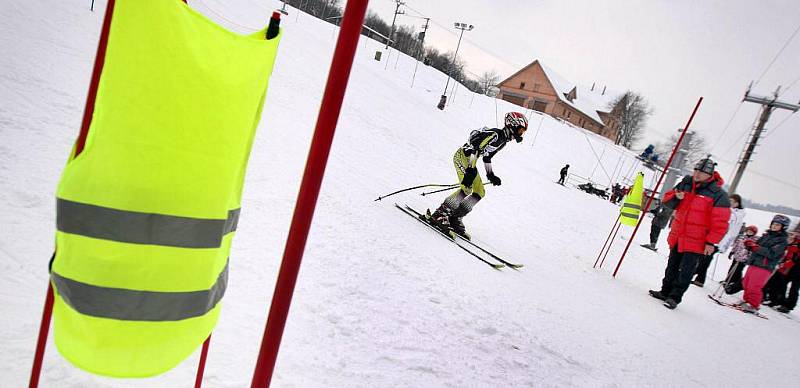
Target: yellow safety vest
(632, 204)
(146, 213)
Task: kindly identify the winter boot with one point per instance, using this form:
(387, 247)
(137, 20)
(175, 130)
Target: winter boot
(456, 225)
(670, 304)
(784, 309)
(657, 294)
(748, 308)
(697, 283)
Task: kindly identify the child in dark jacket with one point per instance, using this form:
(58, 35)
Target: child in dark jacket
(765, 254)
(739, 256)
(788, 272)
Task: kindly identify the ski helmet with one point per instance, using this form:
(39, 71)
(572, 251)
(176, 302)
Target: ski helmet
(517, 123)
(782, 220)
(752, 228)
(705, 165)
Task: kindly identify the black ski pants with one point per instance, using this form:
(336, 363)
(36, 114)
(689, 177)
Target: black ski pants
(655, 231)
(735, 272)
(678, 275)
(776, 289)
(702, 268)
(561, 180)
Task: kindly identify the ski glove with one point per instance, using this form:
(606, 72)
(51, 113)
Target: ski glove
(751, 245)
(469, 176)
(493, 178)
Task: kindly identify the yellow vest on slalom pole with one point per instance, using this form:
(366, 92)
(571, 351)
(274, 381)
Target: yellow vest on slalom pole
(632, 204)
(147, 211)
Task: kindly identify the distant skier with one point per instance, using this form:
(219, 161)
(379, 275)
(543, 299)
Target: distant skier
(485, 142)
(702, 210)
(564, 171)
(661, 217)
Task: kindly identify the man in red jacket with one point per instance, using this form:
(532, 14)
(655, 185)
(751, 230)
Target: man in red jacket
(702, 210)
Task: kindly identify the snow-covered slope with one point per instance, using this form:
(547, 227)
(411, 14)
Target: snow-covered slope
(380, 300)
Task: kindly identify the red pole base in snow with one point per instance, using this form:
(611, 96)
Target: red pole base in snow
(607, 240)
(617, 226)
(198, 381)
(309, 189)
(655, 189)
(41, 343)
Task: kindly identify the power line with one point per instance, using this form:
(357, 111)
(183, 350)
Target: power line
(778, 54)
(727, 125)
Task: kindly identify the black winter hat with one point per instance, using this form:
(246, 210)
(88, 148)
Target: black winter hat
(705, 165)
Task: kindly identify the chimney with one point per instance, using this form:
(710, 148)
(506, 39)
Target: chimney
(604, 91)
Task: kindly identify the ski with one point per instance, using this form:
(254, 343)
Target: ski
(450, 238)
(736, 307)
(484, 250)
(480, 248)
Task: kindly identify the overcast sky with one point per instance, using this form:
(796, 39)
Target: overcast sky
(671, 51)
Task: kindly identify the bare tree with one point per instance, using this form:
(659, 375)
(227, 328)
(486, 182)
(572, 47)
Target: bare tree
(488, 78)
(632, 111)
(696, 147)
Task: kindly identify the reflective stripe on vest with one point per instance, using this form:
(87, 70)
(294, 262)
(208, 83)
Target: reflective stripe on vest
(134, 305)
(142, 228)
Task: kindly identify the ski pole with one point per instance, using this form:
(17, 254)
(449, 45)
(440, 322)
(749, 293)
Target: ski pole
(440, 190)
(416, 187)
(727, 280)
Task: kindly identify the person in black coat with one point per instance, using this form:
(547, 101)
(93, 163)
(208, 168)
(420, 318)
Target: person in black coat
(563, 173)
(661, 217)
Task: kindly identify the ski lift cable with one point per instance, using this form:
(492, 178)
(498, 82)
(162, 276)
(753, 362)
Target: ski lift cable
(248, 29)
(596, 157)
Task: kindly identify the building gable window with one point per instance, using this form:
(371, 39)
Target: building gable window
(536, 87)
(522, 85)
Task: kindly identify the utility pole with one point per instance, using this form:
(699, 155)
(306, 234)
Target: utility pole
(463, 27)
(768, 105)
(397, 11)
(421, 49)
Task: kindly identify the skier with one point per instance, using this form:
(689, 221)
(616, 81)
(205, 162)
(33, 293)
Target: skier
(485, 142)
(702, 210)
(765, 254)
(563, 173)
(661, 217)
(788, 272)
(739, 255)
(735, 224)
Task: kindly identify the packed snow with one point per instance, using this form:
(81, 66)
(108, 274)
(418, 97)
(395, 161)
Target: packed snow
(381, 301)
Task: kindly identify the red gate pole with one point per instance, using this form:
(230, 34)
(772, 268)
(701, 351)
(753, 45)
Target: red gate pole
(338, 76)
(41, 343)
(88, 111)
(198, 381)
(607, 239)
(655, 189)
(619, 225)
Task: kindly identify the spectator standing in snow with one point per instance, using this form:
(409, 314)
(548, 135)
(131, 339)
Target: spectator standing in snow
(564, 171)
(765, 254)
(735, 224)
(788, 272)
(739, 256)
(702, 210)
(661, 217)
